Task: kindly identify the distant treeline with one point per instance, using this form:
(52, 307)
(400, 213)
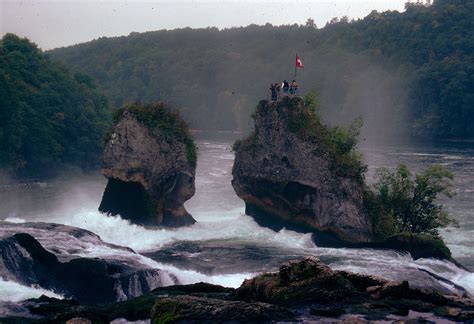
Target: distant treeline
(49, 117)
(409, 73)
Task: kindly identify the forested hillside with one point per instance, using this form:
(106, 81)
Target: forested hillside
(409, 73)
(48, 116)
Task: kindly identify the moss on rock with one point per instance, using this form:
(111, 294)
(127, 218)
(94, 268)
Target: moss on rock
(335, 143)
(185, 309)
(163, 118)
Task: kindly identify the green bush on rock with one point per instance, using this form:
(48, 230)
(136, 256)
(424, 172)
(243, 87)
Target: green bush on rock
(335, 142)
(399, 202)
(405, 211)
(167, 120)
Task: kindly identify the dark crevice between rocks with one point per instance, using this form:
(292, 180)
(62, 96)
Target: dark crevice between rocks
(129, 200)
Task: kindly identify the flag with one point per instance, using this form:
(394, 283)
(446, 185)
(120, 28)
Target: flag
(299, 64)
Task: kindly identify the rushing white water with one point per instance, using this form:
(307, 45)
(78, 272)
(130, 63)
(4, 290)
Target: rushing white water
(221, 220)
(14, 292)
(241, 229)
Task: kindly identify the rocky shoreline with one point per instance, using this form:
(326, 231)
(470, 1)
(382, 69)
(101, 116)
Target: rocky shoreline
(302, 290)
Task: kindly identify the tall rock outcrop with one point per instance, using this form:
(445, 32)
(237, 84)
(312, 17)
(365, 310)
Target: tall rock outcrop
(149, 160)
(295, 172)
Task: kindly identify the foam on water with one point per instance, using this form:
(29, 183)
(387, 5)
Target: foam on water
(183, 276)
(235, 225)
(15, 292)
(465, 280)
(16, 220)
(65, 244)
(240, 229)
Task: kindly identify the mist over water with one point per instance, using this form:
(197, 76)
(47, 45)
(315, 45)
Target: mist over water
(225, 246)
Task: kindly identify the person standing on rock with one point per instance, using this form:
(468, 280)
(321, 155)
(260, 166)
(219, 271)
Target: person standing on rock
(285, 86)
(294, 87)
(278, 89)
(273, 92)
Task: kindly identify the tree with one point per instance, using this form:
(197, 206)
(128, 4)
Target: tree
(399, 202)
(310, 23)
(48, 117)
(415, 70)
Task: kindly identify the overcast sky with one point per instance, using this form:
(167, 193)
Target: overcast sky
(53, 24)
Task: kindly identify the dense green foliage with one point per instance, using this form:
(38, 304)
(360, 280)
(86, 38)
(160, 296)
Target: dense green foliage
(399, 202)
(164, 118)
(405, 73)
(48, 117)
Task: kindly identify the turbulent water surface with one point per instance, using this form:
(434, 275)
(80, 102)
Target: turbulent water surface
(226, 246)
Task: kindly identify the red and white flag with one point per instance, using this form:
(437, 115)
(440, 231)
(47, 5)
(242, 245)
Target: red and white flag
(299, 64)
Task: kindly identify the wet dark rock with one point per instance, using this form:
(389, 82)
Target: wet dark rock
(54, 310)
(419, 245)
(333, 312)
(79, 320)
(289, 182)
(303, 290)
(23, 259)
(63, 240)
(394, 289)
(200, 288)
(149, 160)
(190, 309)
(309, 282)
(298, 282)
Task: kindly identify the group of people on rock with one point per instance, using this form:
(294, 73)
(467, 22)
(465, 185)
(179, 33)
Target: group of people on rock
(288, 89)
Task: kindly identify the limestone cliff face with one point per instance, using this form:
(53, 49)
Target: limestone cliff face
(289, 181)
(149, 160)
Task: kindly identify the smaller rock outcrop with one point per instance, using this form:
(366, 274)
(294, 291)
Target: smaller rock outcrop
(331, 293)
(23, 259)
(149, 160)
(295, 172)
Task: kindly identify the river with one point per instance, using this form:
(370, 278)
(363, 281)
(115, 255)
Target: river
(225, 246)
